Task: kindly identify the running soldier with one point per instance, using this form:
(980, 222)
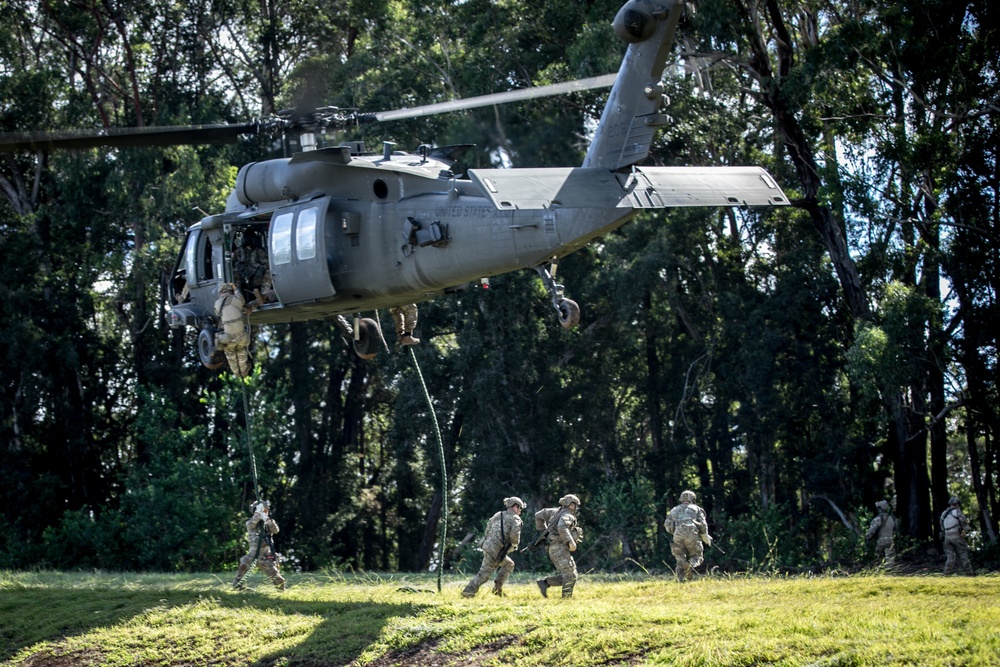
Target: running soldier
(503, 533)
(689, 528)
(563, 535)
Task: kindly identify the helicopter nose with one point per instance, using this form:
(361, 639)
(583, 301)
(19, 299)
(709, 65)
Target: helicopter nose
(636, 20)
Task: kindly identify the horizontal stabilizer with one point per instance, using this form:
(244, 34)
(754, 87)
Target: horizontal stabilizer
(648, 187)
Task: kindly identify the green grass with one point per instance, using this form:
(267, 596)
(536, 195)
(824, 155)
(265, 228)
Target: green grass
(49, 619)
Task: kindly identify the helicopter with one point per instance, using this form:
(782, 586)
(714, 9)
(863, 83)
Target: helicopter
(339, 232)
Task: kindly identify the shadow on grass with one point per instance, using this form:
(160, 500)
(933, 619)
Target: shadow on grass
(31, 615)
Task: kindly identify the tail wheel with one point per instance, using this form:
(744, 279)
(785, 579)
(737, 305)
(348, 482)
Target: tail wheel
(210, 357)
(569, 313)
(366, 339)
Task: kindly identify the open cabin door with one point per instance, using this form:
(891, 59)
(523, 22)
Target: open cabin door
(299, 253)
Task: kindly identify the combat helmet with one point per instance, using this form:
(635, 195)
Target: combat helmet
(954, 501)
(569, 499)
(227, 288)
(688, 497)
(882, 505)
(514, 500)
(260, 505)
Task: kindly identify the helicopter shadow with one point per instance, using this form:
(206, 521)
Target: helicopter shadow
(346, 631)
(37, 615)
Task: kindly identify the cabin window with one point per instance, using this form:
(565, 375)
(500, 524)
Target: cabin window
(305, 233)
(281, 238)
(191, 258)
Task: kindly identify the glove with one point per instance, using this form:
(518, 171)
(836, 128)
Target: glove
(572, 545)
(707, 539)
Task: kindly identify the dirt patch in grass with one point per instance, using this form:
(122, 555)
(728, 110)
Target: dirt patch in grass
(427, 655)
(51, 658)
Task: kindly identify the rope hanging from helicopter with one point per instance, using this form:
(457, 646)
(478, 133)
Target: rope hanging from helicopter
(249, 438)
(444, 469)
(240, 372)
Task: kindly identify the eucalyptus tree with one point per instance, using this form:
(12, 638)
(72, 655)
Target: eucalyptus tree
(869, 102)
(92, 232)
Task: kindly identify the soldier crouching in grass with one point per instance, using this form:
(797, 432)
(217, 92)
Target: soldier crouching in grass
(503, 533)
(563, 535)
(689, 528)
(260, 528)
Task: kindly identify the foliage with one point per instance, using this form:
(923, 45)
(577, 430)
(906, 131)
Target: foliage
(763, 358)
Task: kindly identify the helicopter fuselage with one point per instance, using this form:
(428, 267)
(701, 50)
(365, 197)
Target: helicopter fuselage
(346, 232)
(412, 231)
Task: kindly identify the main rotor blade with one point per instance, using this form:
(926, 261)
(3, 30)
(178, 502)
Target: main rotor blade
(605, 81)
(126, 137)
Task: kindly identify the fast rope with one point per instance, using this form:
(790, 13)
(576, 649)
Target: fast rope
(444, 471)
(228, 259)
(249, 439)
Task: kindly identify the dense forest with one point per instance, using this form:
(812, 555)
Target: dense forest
(792, 365)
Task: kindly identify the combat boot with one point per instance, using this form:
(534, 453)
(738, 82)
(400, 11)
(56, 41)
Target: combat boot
(408, 339)
(543, 586)
(281, 586)
(498, 589)
(239, 586)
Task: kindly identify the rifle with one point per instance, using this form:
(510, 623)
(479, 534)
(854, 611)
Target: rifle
(506, 545)
(549, 527)
(539, 541)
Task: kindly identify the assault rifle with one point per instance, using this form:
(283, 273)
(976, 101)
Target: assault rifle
(539, 541)
(506, 545)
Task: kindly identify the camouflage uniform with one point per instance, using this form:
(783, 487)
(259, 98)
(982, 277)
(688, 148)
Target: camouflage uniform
(405, 319)
(563, 536)
(503, 533)
(954, 527)
(689, 528)
(260, 547)
(881, 529)
(252, 267)
(233, 339)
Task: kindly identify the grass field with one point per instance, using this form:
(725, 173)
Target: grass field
(61, 619)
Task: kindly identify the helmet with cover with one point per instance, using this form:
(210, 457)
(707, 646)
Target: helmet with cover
(569, 499)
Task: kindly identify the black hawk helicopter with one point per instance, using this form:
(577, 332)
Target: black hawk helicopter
(342, 232)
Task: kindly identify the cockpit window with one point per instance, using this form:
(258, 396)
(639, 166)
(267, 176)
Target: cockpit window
(305, 233)
(281, 238)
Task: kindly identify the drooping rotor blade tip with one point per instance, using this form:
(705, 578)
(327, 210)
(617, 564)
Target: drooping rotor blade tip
(534, 92)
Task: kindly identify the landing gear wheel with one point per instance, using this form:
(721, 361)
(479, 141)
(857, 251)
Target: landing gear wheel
(569, 313)
(210, 357)
(366, 339)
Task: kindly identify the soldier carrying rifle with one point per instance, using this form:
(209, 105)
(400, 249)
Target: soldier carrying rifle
(503, 532)
(563, 534)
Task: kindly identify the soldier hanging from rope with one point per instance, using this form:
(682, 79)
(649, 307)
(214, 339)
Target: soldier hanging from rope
(234, 339)
(261, 546)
